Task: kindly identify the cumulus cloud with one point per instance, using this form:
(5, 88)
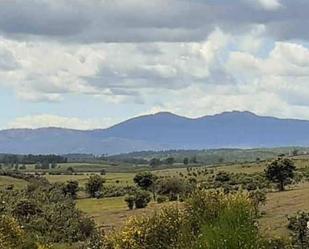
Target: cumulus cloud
(189, 57)
(47, 71)
(149, 21)
(47, 120)
(270, 4)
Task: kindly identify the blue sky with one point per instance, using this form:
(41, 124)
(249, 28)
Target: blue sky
(90, 64)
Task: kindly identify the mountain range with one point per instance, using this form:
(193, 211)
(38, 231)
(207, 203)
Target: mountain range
(162, 131)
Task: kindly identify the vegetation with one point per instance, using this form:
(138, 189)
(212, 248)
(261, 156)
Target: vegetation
(31, 201)
(46, 214)
(281, 171)
(94, 185)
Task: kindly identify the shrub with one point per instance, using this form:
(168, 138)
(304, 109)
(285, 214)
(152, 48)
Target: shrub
(130, 200)
(233, 228)
(142, 198)
(165, 229)
(162, 198)
(298, 224)
(172, 187)
(71, 188)
(46, 213)
(94, 184)
(209, 220)
(258, 198)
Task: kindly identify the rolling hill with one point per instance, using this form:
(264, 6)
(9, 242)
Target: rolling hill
(162, 131)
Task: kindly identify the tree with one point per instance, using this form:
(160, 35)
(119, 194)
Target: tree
(130, 200)
(142, 198)
(94, 185)
(172, 186)
(70, 170)
(280, 171)
(71, 188)
(154, 162)
(186, 161)
(295, 152)
(170, 160)
(193, 159)
(146, 181)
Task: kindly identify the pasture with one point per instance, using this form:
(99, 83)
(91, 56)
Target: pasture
(112, 212)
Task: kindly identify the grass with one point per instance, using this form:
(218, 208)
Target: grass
(281, 204)
(6, 181)
(123, 179)
(111, 212)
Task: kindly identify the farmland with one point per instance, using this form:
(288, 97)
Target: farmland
(112, 212)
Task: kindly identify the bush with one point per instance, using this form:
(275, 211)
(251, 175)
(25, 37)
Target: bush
(162, 198)
(172, 187)
(94, 185)
(233, 228)
(142, 198)
(130, 200)
(46, 213)
(209, 220)
(165, 229)
(298, 224)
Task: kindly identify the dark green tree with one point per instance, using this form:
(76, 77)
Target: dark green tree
(142, 198)
(280, 171)
(170, 160)
(94, 185)
(172, 187)
(146, 181)
(71, 188)
(186, 161)
(154, 162)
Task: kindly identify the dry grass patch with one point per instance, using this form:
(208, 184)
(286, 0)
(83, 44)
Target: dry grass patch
(281, 204)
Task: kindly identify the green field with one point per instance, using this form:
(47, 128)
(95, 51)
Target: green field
(112, 212)
(6, 181)
(122, 179)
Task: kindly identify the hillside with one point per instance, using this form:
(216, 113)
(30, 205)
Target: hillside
(162, 131)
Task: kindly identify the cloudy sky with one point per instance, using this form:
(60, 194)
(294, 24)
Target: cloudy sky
(92, 63)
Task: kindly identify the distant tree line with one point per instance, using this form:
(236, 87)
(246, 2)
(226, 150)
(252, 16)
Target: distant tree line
(13, 159)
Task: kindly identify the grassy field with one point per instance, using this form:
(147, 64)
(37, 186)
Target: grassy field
(281, 204)
(122, 179)
(6, 181)
(111, 212)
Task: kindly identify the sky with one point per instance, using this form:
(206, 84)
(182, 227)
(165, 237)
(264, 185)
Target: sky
(88, 64)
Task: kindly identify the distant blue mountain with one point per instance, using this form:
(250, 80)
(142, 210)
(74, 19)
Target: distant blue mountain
(162, 131)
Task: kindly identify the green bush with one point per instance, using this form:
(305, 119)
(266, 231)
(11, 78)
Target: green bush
(162, 198)
(130, 200)
(142, 198)
(46, 213)
(298, 225)
(208, 220)
(165, 229)
(233, 228)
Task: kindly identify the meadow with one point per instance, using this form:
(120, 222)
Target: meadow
(111, 213)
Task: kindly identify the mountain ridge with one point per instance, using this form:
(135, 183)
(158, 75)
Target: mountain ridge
(161, 131)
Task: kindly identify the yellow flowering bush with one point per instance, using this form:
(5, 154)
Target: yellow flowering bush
(207, 220)
(11, 235)
(165, 229)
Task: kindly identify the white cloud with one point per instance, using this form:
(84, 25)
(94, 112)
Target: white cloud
(284, 72)
(270, 4)
(47, 120)
(47, 71)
